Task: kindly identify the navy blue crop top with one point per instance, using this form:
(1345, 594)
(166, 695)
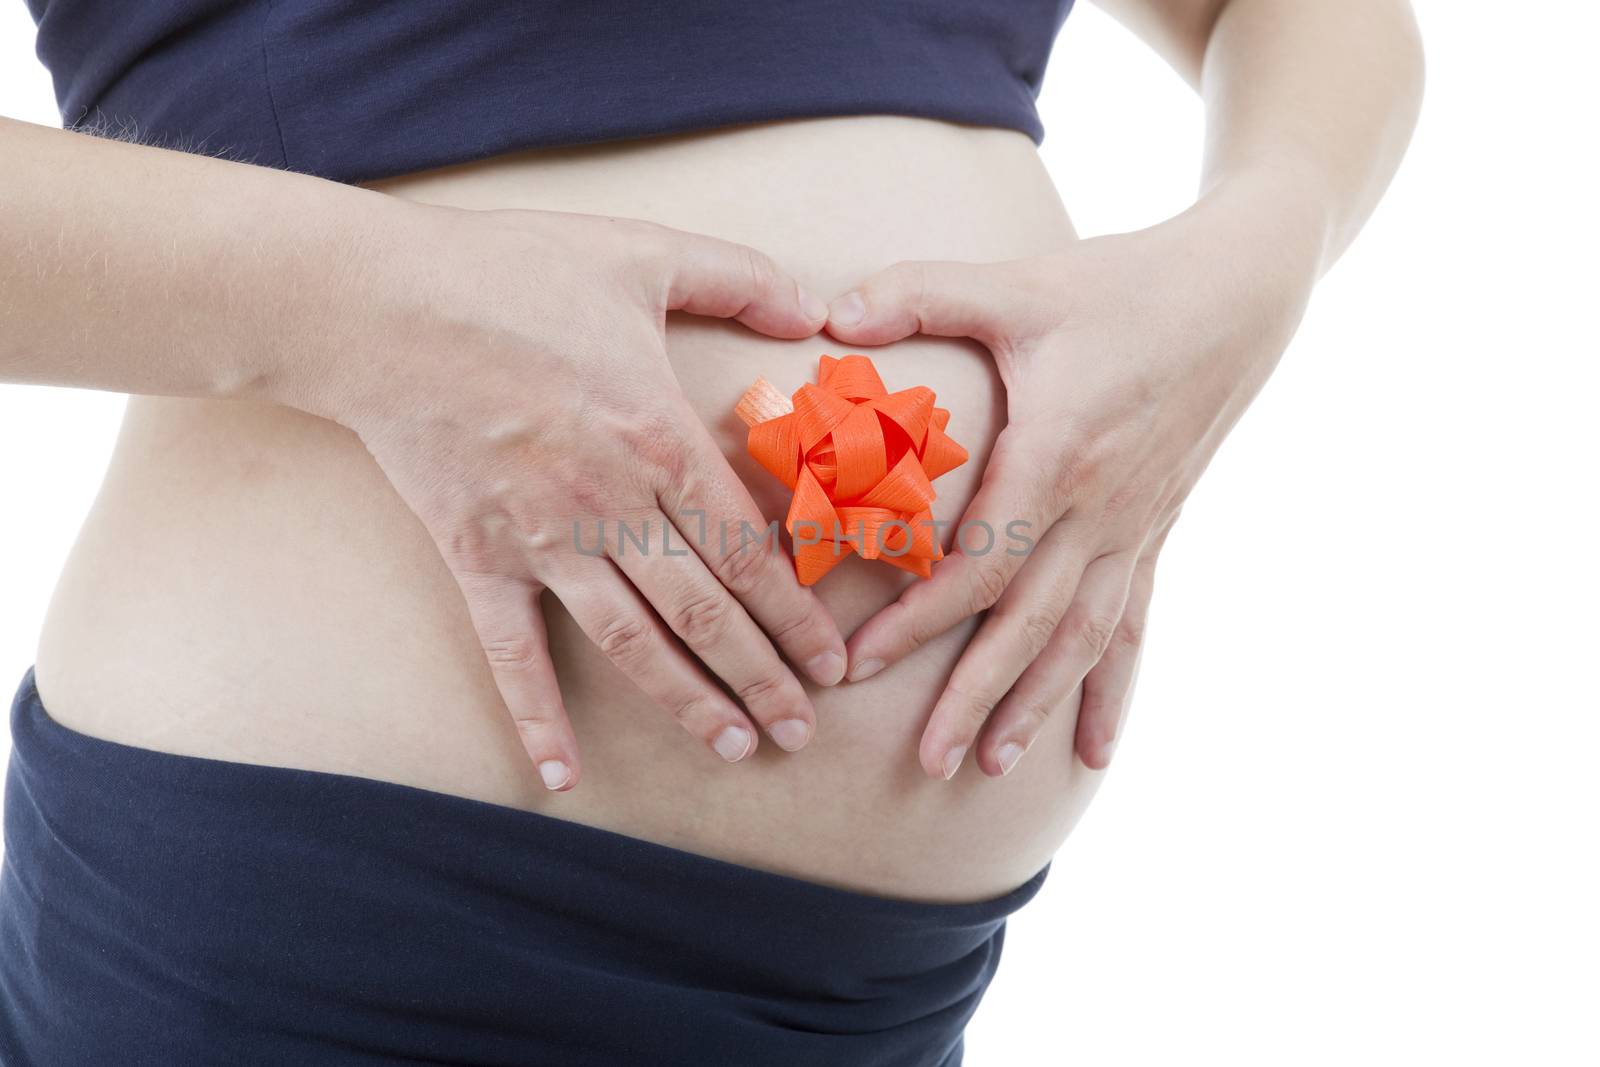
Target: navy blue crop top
(356, 91)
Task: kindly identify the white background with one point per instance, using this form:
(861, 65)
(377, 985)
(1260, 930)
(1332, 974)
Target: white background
(1354, 817)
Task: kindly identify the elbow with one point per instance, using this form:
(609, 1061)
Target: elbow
(1392, 27)
(1406, 66)
(1415, 55)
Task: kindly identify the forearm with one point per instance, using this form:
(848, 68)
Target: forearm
(1323, 93)
(1309, 103)
(142, 270)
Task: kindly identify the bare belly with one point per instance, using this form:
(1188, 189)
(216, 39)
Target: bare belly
(248, 587)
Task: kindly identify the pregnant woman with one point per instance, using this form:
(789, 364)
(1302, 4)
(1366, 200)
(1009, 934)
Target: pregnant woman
(342, 746)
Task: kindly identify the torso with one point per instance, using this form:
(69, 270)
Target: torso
(248, 587)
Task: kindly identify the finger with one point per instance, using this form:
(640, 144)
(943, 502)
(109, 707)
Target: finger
(1108, 688)
(623, 627)
(1013, 633)
(998, 532)
(1083, 637)
(1011, 637)
(706, 617)
(505, 613)
(712, 509)
(720, 279)
(938, 298)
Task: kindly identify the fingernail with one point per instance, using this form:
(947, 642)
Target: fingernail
(791, 734)
(848, 310)
(813, 307)
(732, 744)
(1008, 755)
(865, 669)
(555, 773)
(952, 761)
(826, 669)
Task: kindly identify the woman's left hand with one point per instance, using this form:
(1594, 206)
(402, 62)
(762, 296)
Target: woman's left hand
(1126, 360)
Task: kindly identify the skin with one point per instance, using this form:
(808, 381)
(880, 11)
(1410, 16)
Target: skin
(558, 405)
(250, 586)
(1127, 359)
(580, 424)
(100, 245)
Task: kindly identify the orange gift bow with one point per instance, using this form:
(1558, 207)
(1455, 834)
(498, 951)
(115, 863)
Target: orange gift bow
(861, 461)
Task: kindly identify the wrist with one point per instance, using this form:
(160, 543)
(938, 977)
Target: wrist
(1278, 216)
(347, 273)
(1237, 268)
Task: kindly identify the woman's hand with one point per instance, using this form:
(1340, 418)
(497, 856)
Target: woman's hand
(1126, 359)
(508, 371)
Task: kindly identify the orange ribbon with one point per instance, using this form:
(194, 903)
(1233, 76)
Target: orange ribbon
(861, 461)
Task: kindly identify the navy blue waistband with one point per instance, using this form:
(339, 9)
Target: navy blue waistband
(170, 909)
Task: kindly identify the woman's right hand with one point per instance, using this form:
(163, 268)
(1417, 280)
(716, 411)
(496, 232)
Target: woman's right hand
(508, 371)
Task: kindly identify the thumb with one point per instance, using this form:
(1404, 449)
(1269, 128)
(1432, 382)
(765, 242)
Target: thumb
(940, 299)
(720, 279)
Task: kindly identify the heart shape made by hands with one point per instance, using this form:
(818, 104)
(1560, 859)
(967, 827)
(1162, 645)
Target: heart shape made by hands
(861, 462)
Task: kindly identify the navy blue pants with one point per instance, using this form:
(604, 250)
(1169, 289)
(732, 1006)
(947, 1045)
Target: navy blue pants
(182, 912)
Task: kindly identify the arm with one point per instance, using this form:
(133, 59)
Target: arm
(1310, 101)
(139, 270)
(459, 346)
(1128, 358)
